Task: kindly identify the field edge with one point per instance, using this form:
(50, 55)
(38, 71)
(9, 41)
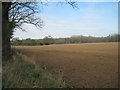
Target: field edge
(20, 73)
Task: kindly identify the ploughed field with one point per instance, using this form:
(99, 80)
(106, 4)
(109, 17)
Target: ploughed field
(90, 65)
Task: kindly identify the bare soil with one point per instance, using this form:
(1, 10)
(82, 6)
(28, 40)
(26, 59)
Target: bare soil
(91, 65)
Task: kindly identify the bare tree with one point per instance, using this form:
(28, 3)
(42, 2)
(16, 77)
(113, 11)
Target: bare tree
(14, 15)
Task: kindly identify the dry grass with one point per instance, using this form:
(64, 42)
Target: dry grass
(81, 65)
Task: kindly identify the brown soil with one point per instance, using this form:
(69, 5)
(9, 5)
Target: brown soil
(92, 65)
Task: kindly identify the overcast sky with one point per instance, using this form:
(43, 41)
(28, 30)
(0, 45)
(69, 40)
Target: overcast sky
(61, 20)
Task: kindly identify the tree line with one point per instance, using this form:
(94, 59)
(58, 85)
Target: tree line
(73, 39)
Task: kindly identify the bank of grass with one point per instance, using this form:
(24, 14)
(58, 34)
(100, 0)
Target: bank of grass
(20, 73)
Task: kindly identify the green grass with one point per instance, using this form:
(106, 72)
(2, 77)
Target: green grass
(20, 73)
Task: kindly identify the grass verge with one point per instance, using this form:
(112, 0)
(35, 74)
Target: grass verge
(20, 73)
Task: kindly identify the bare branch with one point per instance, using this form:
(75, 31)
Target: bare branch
(72, 3)
(20, 13)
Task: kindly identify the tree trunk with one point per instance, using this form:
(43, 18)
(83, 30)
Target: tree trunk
(6, 47)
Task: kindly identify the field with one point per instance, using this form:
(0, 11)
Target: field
(88, 65)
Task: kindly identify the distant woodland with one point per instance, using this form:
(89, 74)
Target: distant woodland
(73, 39)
